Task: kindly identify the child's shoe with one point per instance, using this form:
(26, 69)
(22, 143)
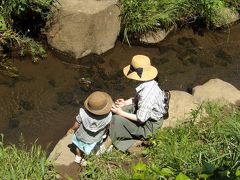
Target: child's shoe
(80, 160)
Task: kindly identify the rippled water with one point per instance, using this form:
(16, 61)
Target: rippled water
(43, 102)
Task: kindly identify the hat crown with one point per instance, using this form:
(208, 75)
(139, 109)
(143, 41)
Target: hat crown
(97, 101)
(141, 61)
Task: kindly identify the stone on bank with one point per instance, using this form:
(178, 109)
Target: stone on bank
(82, 27)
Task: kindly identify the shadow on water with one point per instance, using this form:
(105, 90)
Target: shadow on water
(43, 102)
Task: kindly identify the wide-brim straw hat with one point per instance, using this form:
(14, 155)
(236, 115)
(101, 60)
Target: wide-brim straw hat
(140, 69)
(98, 103)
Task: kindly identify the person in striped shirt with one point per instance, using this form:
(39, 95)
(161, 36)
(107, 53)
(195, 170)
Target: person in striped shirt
(140, 116)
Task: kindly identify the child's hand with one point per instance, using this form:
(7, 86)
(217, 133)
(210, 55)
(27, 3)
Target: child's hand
(116, 109)
(70, 131)
(120, 102)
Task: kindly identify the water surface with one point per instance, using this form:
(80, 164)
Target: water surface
(43, 102)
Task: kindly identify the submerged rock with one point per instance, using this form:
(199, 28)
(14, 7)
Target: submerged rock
(223, 57)
(26, 105)
(82, 27)
(13, 123)
(188, 42)
(65, 98)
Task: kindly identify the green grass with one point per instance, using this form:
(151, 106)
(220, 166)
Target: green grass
(139, 17)
(209, 149)
(21, 163)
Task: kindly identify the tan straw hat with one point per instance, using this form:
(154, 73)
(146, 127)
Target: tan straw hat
(140, 69)
(98, 103)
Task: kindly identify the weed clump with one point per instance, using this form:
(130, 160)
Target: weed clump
(139, 17)
(24, 163)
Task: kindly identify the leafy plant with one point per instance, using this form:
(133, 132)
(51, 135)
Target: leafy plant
(13, 37)
(233, 4)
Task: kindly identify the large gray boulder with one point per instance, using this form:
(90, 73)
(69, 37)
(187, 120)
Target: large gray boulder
(82, 27)
(216, 90)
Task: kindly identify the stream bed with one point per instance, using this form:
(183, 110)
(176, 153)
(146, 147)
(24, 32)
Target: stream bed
(41, 104)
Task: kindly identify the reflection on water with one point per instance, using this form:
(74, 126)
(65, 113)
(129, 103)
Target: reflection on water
(43, 102)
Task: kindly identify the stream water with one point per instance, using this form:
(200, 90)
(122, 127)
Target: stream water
(42, 103)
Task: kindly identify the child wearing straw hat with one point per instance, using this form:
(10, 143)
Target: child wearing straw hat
(91, 124)
(142, 115)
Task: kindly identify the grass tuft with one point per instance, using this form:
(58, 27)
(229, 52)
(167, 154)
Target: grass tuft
(21, 163)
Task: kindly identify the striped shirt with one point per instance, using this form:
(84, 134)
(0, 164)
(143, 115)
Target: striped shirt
(150, 101)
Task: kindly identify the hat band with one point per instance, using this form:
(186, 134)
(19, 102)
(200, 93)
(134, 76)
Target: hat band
(132, 69)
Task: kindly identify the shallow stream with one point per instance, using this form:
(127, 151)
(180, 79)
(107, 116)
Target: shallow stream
(43, 102)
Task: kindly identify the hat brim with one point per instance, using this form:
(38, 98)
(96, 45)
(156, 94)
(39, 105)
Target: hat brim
(148, 74)
(103, 111)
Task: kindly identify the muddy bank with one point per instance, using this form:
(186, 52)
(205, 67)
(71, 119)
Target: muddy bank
(43, 102)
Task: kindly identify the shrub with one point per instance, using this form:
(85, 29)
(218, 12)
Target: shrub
(15, 15)
(13, 35)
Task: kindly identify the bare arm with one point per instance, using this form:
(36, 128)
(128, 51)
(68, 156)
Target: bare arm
(118, 110)
(122, 102)
(74, 127)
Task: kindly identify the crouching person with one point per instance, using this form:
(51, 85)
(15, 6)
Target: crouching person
(91, 124)
(140, 116)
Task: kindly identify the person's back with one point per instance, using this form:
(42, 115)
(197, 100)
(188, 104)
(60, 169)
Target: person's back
(142, 115)
(91, 124)
(150, 101)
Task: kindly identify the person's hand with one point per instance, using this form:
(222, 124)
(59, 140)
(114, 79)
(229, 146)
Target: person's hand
(70, 131)
(116, 109)
(120, 102)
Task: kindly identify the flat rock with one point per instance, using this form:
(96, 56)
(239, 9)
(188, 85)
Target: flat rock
(216, 90)
(61, 154)
(155, 37)
(180, 106)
